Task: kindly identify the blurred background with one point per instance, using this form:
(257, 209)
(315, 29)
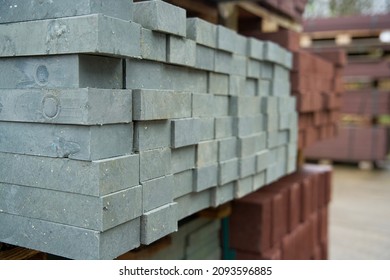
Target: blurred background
(341, 79)
(336, 206)
(359, 212)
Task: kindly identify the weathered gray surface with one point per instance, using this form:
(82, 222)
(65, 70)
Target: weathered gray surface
(249, 145)
(221, 105)
(206, 153)
(202, 32)
(245, 126)
(157, 192)
(96, 34)
(66, 141)
(236, 85)
(22, 10)
(142, 74)
(240, 65)
(185, 132)
(83, 71)
(205, 177)
(69, 241)
(226, 39)
(158, 223)
(227, 149)
(181, 51)
(205, 57)
(183, 183)
(89, 212)
(218, 84)
(228, 171)
(160, 104)
(240, 45)
(223, 62)
(150, 135)
(161, 16)
(254, 68)
(222, 194)
(183, 158)
(207, 129)
(192, 203)
(224, 127)
(202, 104)
(247, 166)
(262, 160)
(255, 49)
(244, 187)
(251, 87)
(245, 105)
(155, 163)
(66, 106)
(95, 178)
(153, 45)
(259, 180)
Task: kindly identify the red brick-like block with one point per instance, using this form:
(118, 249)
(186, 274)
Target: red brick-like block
(328, 186)
(250, 223)
(317, 253)
(288, 247)
(306, 198)
(294, 205)
(272, 254)
(324, 225)
(279, 219)
(337, 57)
(325, 251)
(314, 230)
(303, 62)
(280, 210)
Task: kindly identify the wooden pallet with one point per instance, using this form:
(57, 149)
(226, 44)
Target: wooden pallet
(19, 253)
(218, 213)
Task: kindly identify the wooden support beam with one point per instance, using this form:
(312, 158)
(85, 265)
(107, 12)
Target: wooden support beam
(300, 159)
(198, 8)
(333, 34)
(19, 253)
(228, 15)
(222, 211)
(268, 16)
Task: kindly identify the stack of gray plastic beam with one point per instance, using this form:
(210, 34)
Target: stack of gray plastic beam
(113, 127)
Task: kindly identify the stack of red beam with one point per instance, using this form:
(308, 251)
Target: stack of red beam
(317, 83)
(353, 143)
(367, 102)
(285, 220)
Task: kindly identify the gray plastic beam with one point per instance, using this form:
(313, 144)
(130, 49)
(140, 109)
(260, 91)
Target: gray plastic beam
(21, 10)
(66, 106)
(93, 34)
(95, 178)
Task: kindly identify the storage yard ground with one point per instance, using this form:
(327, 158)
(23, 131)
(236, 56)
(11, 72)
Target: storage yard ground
(360, 214)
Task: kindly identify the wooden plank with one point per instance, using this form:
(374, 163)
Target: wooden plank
(269, 16)
(220, 212)
(333, 34)
(197, 8)
(300, 159)
(19, 253)
(228, 15)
